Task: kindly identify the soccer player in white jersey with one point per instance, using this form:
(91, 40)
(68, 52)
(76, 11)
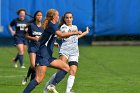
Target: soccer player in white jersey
(69, 52)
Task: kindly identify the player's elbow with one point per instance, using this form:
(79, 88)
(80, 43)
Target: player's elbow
(9, 27)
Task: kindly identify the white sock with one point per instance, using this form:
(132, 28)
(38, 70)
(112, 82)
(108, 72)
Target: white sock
(70, 83)
(50, 80)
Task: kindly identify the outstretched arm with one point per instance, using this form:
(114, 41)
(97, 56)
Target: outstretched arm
(63, 35)
(84, 33)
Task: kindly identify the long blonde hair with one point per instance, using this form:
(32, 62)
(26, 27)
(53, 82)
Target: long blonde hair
(49, 17)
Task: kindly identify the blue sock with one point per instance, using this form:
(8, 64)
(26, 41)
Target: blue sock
(20, 59)
(30, 86)
(16, 57)
(29, 72)
(59, 76)
(33, 74)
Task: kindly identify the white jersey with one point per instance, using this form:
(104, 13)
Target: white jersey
(69, 45)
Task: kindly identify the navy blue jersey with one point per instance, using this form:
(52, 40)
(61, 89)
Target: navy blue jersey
(20, 26)
(34, 30)
(48, 39)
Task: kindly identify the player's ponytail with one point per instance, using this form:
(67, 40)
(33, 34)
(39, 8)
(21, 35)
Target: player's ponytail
(45, 23)
(29, 15)
(49, 17)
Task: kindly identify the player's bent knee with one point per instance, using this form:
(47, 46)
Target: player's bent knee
(39, 80)
(67, 68)
(73, 72)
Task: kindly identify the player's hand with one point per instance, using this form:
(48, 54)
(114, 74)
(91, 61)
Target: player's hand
(26, 29)
(36, 38)
(79, 32)
(87, 30)
(13, 33)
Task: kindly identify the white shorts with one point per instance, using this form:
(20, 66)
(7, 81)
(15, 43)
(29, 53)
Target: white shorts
(71, 57)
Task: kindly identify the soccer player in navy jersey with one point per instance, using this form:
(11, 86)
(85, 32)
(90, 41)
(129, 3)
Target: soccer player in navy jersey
(20, 24)
(35, 29)
(44, 57)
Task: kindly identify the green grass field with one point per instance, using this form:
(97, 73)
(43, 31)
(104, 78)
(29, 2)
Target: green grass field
(105, 69)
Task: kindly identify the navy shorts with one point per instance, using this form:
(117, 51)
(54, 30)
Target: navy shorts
(20, 40)
(43, 57)
(44, 61)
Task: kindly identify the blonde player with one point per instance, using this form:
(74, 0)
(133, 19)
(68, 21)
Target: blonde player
(44, 56)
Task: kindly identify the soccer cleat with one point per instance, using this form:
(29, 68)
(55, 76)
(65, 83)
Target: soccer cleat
(52, 89)
(15, 65)
(22, 67)
(24, 81)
